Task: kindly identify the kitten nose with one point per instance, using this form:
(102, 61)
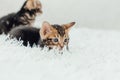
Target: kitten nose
(61, 46)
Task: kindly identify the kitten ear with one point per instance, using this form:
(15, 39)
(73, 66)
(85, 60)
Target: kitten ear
(69, 25)
(32, 4)
(45, 30)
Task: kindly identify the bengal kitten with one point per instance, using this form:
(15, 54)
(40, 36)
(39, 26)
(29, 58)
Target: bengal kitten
(25, 16)
(51, 36)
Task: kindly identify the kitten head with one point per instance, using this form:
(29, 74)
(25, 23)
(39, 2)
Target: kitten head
(34, 6)
(29, 11)
(55, 36)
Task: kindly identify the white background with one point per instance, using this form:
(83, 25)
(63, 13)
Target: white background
(87, 13)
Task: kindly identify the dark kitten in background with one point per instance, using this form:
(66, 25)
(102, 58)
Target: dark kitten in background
(26, 16)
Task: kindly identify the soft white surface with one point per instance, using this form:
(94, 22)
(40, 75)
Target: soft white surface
(94, 55)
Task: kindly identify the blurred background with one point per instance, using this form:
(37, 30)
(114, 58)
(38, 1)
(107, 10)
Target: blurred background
(100, 14)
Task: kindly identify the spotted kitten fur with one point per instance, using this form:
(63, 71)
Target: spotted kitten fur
(24, 17)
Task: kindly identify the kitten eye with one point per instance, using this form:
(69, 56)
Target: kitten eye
(55, 39)
(66, 40)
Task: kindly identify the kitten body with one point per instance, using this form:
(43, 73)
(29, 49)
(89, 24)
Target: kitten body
(26, 34)
(48, 36)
